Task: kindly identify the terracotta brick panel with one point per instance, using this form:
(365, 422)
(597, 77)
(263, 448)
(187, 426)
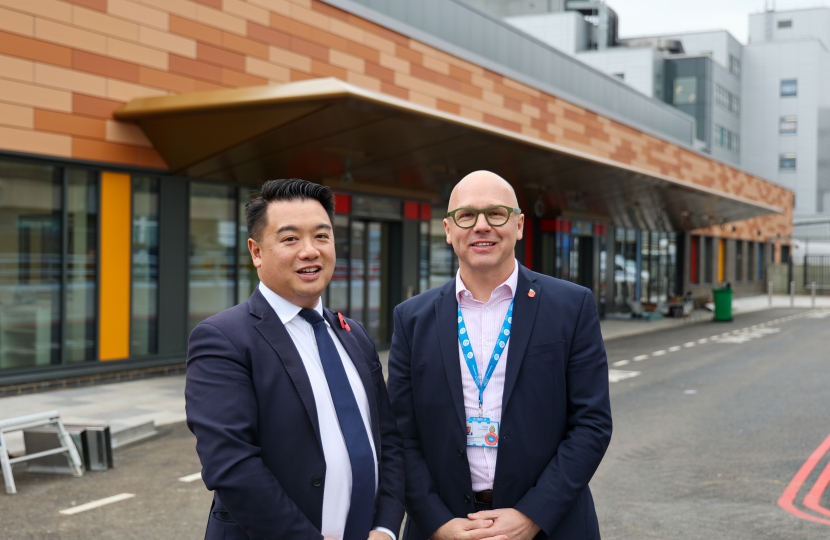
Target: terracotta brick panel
(324, 69)
(138, 13)
(18, 93)
(69, 36)
(126, 91)
(139, 54)
(108, 67)
(409, 55)
(204, 86)
(235, 79)
(55, 10)
(393, 90)
(69, 124)
(331, 11)
(301, 76)
(219, 19)
(212, 3)
(93, 106)
(347, 61)
(182, 8)
(377, 29)
(382, 73)
(220, 57)
(269, 35)
(244, 45)
(308, 48)
(104, 24)
(369, 83)
(267, 70)
(17, 116)
(98, 5)
(15, 68)
(165, 80)
(246, 11)
(446, 106)
(126, 133)
(35, 142)
(194, 30)
(167, 42)
(363, 51)
(346, 30)
(18, 23)
(68, 79)
(289, 59)
(194, 68)
(104, 151)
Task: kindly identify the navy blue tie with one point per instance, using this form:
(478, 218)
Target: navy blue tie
(361, 509)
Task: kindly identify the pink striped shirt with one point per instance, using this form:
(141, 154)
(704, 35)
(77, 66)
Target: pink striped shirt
(483, 322)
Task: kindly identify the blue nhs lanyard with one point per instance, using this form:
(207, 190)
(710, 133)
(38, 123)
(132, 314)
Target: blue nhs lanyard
(498, 350)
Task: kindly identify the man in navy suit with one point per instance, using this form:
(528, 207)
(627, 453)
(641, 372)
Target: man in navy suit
(286, 398)
(499, 382)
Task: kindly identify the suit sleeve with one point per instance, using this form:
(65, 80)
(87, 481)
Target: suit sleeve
(390, 506)
(222, 412)
(589, 426)
(423, 503)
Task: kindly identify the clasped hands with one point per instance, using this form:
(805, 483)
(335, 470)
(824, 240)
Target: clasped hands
(501, 524)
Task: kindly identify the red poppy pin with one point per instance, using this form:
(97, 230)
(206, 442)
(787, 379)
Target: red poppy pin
(343, 323)
(531, 293)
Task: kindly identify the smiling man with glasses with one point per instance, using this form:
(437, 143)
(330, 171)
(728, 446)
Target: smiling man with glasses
(499, 381)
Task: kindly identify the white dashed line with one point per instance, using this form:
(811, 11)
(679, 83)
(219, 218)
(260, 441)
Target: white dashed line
(616, 375)
(689, 344)
(675, 348)
(191, 477)
(96, 504)
(640, 358)
(621, 363)
(704, 340)
(658, 353)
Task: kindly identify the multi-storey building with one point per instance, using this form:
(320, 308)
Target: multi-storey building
(132, 132)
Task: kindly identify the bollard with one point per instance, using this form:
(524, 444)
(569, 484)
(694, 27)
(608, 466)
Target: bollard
(769, 288)
(813, 287)
(792, 293)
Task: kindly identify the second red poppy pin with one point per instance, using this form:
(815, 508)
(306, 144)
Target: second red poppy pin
(343, 323)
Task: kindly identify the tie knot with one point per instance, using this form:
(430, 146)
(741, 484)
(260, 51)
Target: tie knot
(311, 316)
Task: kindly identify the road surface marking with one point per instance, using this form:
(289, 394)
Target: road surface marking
(690, 344)
(690, 392)
(96, 504)
(641, 358)
(191, 477)
(617, 375)
(675, 348)
(620, 363)
(704, 340)
(788, 497)
(658, 353)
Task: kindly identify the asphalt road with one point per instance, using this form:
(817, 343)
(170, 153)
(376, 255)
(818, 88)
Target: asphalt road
(708, 435)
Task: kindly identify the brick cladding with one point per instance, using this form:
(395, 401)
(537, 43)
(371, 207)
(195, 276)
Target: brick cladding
(66, 65)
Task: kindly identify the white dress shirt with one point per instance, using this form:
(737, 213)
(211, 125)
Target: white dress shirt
(337, 488)
(484, 321)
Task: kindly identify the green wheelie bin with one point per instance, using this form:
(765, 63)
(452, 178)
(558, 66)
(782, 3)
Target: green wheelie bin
(723, 304)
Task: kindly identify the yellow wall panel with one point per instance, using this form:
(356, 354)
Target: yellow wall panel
(116, 210)
(721, 260)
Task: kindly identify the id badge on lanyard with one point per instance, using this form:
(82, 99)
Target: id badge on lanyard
(480, 430)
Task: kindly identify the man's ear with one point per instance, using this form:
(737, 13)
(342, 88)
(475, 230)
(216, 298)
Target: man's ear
(447, 231)
(256, 252)
(521, 231)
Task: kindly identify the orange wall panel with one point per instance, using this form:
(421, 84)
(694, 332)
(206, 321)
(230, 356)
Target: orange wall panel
(114, 317)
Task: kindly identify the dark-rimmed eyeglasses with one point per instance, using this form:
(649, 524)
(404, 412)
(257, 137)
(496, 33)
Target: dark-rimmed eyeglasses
(496, 215)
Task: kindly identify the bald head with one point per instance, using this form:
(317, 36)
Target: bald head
(480, 185)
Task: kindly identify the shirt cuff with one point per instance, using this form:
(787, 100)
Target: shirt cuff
(387, 531)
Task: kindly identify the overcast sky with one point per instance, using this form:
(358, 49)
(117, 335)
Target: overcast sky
(644, 17)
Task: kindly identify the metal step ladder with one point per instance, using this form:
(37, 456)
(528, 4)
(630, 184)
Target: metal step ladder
(34, 420)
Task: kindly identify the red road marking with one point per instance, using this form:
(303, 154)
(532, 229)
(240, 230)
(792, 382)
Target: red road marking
(813, 499)
(787, 499)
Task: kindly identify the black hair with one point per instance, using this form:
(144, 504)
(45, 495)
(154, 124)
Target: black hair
(294, 189)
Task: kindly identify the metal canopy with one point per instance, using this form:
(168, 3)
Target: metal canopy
(331, 132)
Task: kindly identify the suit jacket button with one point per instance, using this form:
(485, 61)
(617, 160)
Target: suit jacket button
(316, 481)
(467, 499)
(460, 453)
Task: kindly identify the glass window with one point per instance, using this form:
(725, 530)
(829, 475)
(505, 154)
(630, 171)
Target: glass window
(759, 268)
(81, 265)
(30, 265)
(750, 259)
(739, 260)
(734, 66)
(708, 247)
(685, 90)
(693, 263)
(786, 162)
(144, 326)
(424, 239)
(625, 266)
(785, 24)
(442, 256)
(247, 280)
(338, 289)
(213, 253)
(789, 87)
(788, 125)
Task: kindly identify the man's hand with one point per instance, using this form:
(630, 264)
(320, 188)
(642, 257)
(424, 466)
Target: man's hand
(379, 535)
(508, 524)
(454, 527)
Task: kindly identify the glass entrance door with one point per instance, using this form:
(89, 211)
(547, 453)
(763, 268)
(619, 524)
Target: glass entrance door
(369, 279)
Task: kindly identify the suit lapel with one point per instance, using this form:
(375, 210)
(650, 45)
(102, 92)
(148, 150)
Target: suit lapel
(361, 363)
(446, 313)
(272, 329)
(524, 314)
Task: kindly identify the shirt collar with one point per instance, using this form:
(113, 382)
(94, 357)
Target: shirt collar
(285, 310)
(511, 282)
